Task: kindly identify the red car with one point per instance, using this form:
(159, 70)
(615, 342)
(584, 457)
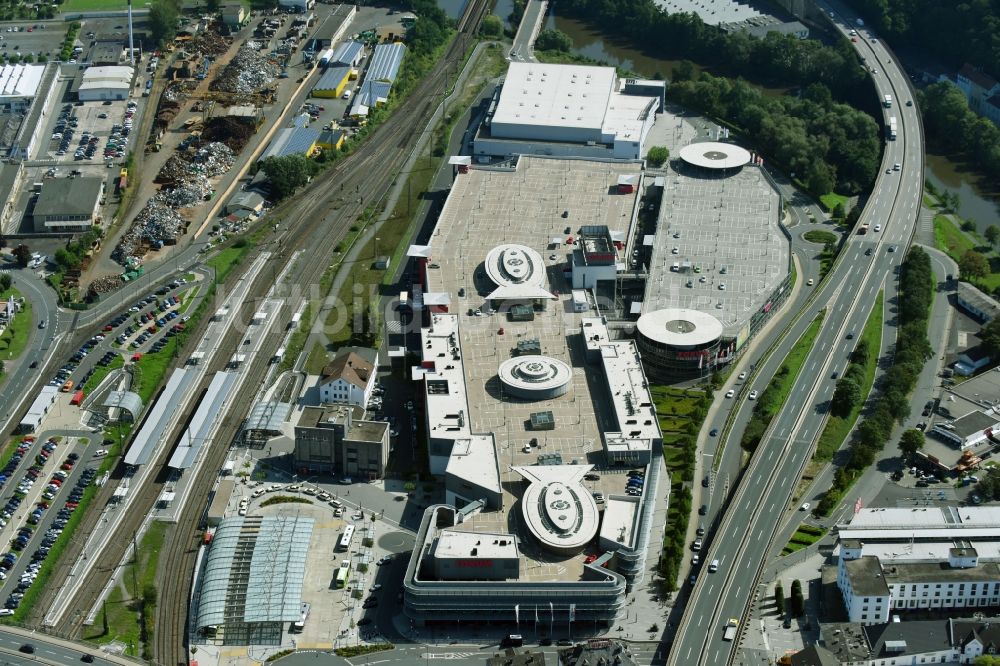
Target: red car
(72, 505)
(67, 466)
(109, 327)
(590, 558)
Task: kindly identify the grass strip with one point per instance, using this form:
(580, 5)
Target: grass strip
(122, 618)
(804, 536)
(776, 394)
(15, 337)
(837, 428)
(101, 372)
(831, 200)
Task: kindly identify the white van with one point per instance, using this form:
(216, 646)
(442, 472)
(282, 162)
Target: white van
(714, 566)
(346, 95)
(100, 453)
(336, 504)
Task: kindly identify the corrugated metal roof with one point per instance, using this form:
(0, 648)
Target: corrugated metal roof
(347, 53)
(385, 62)
(196, 435)
(291, 141)
(332, 78)
(148, 438)
(254, 571)
(370, 94)
(268, 415)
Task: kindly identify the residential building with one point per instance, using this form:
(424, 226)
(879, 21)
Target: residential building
(350, 378)
(972, 360)
(977, 86)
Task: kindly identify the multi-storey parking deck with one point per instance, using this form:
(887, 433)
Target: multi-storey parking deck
(533, 414)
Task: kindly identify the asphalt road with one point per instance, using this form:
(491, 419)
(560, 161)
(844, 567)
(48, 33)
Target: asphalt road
(522, 50)
(741, 543)
(19, 373)
(48, 650)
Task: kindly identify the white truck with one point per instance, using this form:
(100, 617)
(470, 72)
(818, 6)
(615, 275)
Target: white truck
(731, 628)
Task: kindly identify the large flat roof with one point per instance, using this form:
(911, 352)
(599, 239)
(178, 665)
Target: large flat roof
(461, 354)
(564, 95)
(20, 80)
(723, 235)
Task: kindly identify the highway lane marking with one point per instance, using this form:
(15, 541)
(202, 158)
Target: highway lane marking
(748, 559)
(700, 618)
(739, 590)
(688, 658)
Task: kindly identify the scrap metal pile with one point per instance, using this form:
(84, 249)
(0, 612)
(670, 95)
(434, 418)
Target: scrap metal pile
(234, 131)
(188, 177)
(105, 284)
(247, 73)
(208, 43)
(213, 159)
(158, 221)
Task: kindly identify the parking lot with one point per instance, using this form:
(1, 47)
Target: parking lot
(90, 132)
(52, 476)
(35, 39)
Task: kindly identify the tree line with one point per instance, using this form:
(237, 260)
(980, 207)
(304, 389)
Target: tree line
(827, 145)
(953, 128)
(955, 33)
(912, 350)
(780, 60)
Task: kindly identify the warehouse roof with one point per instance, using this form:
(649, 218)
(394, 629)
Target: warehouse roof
(291, 141)
(371, 93)
(385, 62)
(68, 196)
(112, 76)
(347, 52)
(20, 80)
(970, 296)
(332, 78)
(563, 95)
(254, 570)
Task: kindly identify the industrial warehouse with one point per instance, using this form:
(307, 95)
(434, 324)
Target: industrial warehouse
(513, 424)
(568, 110)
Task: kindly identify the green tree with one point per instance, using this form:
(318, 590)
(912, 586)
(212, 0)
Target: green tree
(911, 441)
(798, 603)
(684, 71)
(553, 40)
(779, 597)
(992, 234)
(846, 395)
(973, 266)
(492, 27)
(163, 15)
(288, 173)
(657, 156)
(214, 6)
(989, 335)
(5, 281)
(838, 211)
(23, 255)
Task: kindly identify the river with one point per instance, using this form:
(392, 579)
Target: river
(976, 203)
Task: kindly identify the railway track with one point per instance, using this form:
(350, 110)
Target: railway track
(315, 226)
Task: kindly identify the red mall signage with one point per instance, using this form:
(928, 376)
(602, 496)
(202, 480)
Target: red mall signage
(473, 563)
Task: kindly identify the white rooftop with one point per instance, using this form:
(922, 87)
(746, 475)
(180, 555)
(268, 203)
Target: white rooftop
(474, 458)
(564, 95)
(557, 508)
(459, 545)
(924, 551)
(628, 388)
(946, 522)
(618, 524)
(680, 327)
(626, 115)
(20, 80)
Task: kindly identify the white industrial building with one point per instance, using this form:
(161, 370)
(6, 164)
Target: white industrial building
(571, 110)
(18, 86)
(104, 83)
(914, 559)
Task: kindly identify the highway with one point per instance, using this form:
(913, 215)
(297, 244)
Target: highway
(761, 499)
